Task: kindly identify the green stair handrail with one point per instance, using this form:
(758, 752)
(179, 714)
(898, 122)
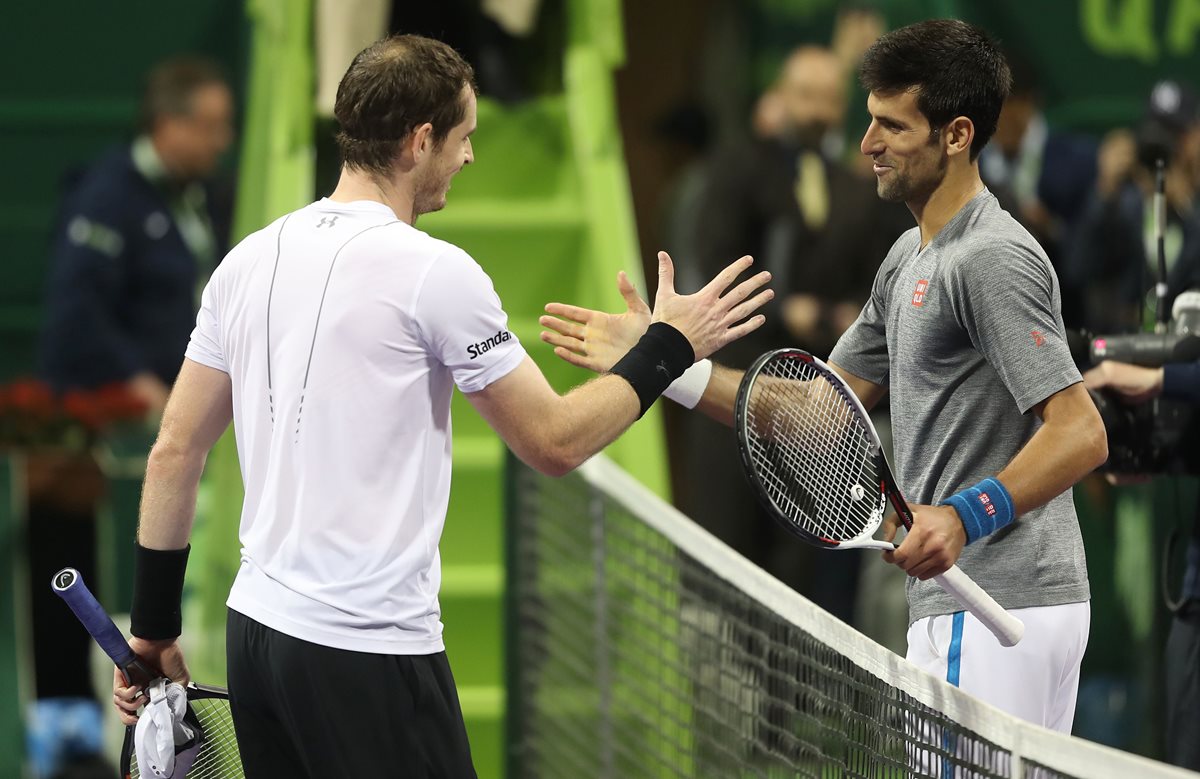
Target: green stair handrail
(594, 49)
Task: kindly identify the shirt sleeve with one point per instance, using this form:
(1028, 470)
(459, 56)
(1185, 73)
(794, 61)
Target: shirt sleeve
(205, 346)
(862, 350)
(1006, 298)
(463, 324)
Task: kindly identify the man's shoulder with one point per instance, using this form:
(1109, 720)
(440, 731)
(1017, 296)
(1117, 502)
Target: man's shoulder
(108, 184)
(990, 235)
(112, 170)
(402, 250)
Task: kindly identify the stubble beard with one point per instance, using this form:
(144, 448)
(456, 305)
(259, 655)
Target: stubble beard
(904, 188)
(431, 195)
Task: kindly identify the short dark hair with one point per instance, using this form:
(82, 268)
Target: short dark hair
(170, 85)
(955, 68)
(392, 87)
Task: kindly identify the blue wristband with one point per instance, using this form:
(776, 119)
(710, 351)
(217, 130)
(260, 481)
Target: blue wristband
(983, 509)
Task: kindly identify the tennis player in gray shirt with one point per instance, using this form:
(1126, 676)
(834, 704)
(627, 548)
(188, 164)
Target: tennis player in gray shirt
(991, 422)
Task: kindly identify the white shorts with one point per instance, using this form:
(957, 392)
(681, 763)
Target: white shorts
(1037, 680)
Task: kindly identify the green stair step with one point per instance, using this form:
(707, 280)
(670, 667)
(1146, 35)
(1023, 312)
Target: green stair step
(530, 141)
(482, 450)
(472, 610)
(483, 712)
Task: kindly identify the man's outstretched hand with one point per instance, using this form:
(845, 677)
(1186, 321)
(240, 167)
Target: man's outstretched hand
(593, 339)
(709, 319)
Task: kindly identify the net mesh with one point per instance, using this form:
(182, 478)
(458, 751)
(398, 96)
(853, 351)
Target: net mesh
(642, 647)
(218, 757)
(810, 451)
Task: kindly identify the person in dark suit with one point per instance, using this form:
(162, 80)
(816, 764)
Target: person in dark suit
(137, 236)
(818, 227)
(793, 204)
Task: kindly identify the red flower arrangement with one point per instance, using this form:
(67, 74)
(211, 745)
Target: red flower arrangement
(32, 415)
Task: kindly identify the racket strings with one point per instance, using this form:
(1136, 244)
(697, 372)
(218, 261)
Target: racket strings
(812, 452)
(218, 757)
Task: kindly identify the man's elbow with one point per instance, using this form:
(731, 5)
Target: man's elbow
(171, 454)
(556, 462)
(553, 456)
(1096, 443)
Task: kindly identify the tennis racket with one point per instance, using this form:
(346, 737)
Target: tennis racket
(218, 756)
(815, 461)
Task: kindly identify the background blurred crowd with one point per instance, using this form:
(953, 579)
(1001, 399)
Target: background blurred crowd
(741, 124)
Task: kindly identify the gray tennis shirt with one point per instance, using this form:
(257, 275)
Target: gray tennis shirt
(967, 336)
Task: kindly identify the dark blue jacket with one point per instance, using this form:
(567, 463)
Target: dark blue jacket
(122, 282)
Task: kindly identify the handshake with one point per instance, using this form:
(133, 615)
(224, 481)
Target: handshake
(718, 314)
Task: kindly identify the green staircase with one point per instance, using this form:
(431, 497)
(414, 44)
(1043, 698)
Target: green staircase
(518, 213)
(545, 210)
(523, 211)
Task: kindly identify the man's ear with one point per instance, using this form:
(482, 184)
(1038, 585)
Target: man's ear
(420, 141)
(958, 135)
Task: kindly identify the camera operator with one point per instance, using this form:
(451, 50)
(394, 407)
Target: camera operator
(1113, 256)
(1181, 382)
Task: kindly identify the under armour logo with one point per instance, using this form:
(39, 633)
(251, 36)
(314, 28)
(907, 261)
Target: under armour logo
(327, 221)
(662, 366)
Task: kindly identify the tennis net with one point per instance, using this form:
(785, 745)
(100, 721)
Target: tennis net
(641, 646)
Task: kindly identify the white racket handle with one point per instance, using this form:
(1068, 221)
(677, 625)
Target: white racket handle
(1004, 626)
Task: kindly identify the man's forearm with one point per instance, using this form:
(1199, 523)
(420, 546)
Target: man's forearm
(169, 497)
(721, 394)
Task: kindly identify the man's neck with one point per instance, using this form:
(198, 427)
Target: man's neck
(359, 185)
(955, 191)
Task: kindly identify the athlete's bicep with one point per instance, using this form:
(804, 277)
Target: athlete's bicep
(199, 410)
(1007, 300)
(555, 433)
(513, 405)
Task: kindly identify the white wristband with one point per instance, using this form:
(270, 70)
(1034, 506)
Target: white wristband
(688, 388)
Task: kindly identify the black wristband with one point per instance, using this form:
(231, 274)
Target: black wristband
(157, 592)
(654, 362)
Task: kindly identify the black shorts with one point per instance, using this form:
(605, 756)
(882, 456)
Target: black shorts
(302, 710)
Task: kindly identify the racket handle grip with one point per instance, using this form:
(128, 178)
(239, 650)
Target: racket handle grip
(68, 585)
(1007, 629)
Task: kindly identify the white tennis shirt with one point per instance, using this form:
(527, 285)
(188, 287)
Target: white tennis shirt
(344, 332)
